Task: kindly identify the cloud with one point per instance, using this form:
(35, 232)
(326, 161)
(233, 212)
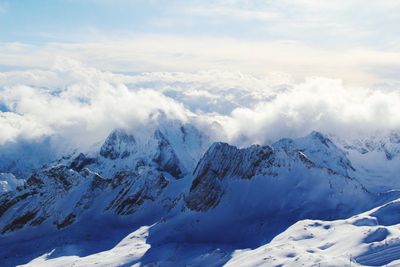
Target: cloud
(325, 23)
(345, 40)
(82, 105)
(317, 104)
(172, 53)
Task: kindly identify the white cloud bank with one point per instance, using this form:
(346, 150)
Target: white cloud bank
(84, 104)
(354, 65)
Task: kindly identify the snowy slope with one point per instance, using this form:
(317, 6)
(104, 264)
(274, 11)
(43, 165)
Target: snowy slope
(202, 207)
(256, 192)
(376, 160)
(367, 239)
(127, 252)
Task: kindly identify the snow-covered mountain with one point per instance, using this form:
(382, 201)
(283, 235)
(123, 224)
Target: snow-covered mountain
(126, 172)
(22, 157)
(376, 159)
(173, 198)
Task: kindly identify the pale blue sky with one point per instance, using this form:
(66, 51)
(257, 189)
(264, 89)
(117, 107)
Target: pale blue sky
(337, 23)
(246, 35)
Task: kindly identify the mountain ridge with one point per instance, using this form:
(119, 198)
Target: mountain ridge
(148, 180)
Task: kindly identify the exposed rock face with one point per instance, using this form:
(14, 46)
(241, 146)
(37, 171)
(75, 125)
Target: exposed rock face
(220, 161)
(80, 162)
(118, 144)
(121, 178)
(313, 160)
(292, 178)
(58, 195)
(234, 195)
(131, 196)
(165, 156)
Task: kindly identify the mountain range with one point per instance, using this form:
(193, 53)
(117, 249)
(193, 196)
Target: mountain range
(170, 195)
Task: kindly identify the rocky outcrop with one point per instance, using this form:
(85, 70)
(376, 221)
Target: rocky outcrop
(165, 156)
(119, 144)
(121, 178)
(313, 159)
(220, 161)
(80, 162)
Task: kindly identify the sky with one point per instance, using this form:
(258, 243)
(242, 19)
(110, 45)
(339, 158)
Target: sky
(356, 41)
(248, 71)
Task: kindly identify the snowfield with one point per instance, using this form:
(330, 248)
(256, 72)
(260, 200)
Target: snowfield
(366, 239)
(127, 252)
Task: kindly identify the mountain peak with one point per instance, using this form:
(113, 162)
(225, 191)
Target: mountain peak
(318, 136)
(119, 144)
(223, 161)
(320, 150)
(165, 156)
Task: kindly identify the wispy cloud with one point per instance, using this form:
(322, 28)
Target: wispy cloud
(348, 40)
(172, 53)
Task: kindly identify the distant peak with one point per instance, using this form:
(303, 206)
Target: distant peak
(120, 134)
(220, 145)
(317, 134)
(119, 144)
(314, 135)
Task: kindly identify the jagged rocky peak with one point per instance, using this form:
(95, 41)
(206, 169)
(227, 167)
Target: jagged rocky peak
(315, 141)
(220, 161)
(232, 161)
(58, 195)
(390, 145)
(57, 176)
(318, 149)
(320, 137)
(119, 144)
(165, 156)
(127, 174)
(188, 142)
(80, 162)
(382, 142)
(290, 158)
